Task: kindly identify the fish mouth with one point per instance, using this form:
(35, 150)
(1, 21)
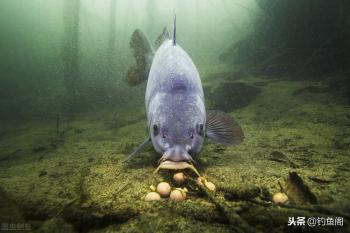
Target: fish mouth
(176, 165)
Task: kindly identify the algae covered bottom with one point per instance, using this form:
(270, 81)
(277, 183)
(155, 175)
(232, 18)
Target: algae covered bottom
(81, 182)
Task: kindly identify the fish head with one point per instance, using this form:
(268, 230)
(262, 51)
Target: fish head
(178, 139)
(177, 145)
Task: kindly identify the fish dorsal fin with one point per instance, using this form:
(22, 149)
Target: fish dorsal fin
(174, 32)
(142, 52)
(223, 129)
(161, 38)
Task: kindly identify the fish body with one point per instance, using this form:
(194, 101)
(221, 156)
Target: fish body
(175, 104)
(176, 116)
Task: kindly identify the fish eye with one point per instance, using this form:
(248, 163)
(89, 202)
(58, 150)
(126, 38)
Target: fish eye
(201, 130)
(155, 130)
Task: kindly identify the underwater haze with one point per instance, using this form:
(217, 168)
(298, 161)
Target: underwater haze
(33, 40)
(70, 114)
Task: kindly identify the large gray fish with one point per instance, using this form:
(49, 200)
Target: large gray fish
(176, 115)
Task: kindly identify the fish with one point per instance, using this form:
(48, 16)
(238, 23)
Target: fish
(177, 121)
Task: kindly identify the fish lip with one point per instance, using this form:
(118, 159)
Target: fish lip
(176, 153)
(176, 165)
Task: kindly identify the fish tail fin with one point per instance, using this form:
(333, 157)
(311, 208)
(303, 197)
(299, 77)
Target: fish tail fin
(174, 32)
(143, 54)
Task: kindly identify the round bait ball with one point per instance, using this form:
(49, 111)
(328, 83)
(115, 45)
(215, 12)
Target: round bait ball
(163, 189)
(177, 195)
(152, 196)
(179, 177)
(210, 186)
(280, 198)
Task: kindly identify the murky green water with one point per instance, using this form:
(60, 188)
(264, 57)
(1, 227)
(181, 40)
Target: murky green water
(69, 118)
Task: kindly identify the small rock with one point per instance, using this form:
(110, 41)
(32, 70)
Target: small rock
(152, 196)
(280, 198)
(163, 189)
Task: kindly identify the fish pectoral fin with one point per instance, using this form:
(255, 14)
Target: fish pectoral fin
(138, 148)
(142, 52)
(223, 129)
(161, 38)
